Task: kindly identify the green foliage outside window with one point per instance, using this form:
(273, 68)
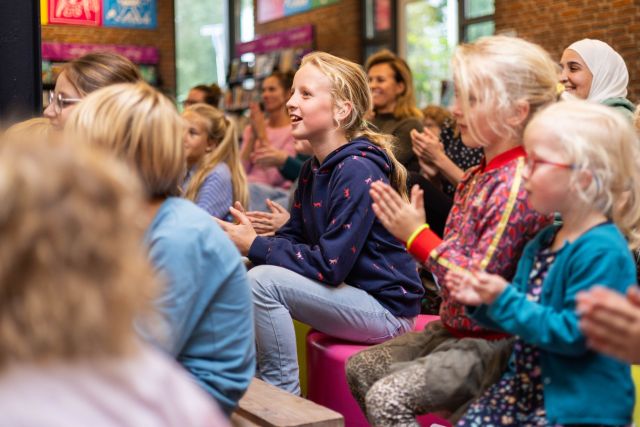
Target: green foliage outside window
(428, 48)
(195, 53)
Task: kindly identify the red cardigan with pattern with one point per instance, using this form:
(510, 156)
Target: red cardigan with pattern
(488, 226)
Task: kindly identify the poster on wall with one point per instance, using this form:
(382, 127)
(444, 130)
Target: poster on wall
(269, 10)
(291, 7)
(383, 15)
(75, 12)
(130, 13)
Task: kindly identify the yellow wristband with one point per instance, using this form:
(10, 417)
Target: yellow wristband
(415, 234)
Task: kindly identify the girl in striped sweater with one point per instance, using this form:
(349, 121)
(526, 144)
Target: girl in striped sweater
(215, 177)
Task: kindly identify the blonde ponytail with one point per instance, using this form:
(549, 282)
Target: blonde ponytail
(219, 129)
(349, 84)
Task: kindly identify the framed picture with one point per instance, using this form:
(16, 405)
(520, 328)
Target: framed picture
(130, 13)
(379, 25)
(75, 12)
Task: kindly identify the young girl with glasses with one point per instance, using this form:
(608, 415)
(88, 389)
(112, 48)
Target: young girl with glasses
(594, 183)
(500, 82)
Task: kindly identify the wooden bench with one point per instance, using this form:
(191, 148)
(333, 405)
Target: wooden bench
(266, 405)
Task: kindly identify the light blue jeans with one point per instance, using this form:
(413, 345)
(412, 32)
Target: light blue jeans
(344, 312)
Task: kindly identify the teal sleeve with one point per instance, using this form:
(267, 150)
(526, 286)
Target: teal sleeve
(554, 328)
(480, 314)
(292, 166)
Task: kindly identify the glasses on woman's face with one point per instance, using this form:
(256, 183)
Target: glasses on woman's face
(59, 102)
(532, 162)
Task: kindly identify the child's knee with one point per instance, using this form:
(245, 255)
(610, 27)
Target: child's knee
(386, 400)
(354, 368)
(259, 277)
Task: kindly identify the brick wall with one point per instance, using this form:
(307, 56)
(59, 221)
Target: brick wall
(337, 28)
(555, 24)
(162, 37)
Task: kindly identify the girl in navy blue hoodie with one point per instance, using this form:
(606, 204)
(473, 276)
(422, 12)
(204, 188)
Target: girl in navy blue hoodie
(333, 265)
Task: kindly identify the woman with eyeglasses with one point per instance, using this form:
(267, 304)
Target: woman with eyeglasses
(84, 75)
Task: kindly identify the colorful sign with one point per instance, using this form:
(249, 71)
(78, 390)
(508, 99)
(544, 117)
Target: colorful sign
(268, 10)
(75, 12)
(295, 37)
(53, 51)
(130, 13)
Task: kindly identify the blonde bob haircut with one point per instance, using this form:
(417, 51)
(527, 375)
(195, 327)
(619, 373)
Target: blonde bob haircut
(495, 74)
(140, 125)
(349, 84)
(600, 140)
(221, 131)
(73, 272)
(406, 101)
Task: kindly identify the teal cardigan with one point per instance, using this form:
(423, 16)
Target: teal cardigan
(581, 386)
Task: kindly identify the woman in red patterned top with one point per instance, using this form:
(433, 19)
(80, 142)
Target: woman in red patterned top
(500, 82)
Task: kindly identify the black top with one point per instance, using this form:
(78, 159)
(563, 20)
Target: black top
(463, 156)
(401, 129)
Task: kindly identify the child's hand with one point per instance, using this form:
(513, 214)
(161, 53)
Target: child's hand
(267, 223)
(397, 216)
(611, 321)
(474, 288)
(461, 287)
(427, 146)
(241, 234)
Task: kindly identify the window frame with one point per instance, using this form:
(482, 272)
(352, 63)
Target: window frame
(464, 23)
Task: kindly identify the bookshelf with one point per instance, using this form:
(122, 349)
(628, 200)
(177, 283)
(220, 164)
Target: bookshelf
(56, 54)
(257, 59)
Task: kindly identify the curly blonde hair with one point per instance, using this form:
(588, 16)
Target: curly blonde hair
(73, 272)
(598, 139)
(349, 84)
(223, 132)
(140, 125)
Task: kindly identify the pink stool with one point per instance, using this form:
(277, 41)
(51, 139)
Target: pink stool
(327, 382)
